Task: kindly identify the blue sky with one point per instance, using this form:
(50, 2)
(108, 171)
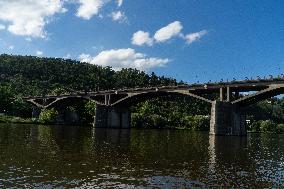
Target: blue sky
(191, 40)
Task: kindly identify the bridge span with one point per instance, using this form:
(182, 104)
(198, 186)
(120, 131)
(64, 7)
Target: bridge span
(227, 117)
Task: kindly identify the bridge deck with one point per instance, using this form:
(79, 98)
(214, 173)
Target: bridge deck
(207, 88)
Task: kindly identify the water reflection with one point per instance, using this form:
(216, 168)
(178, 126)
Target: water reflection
(113, 136)
(226, 148)
(68, 156)
(227, 153)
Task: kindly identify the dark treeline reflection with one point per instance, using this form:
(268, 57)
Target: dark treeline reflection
(70, 156)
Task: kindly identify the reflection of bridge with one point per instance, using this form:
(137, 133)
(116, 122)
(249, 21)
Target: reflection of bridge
(226, 118)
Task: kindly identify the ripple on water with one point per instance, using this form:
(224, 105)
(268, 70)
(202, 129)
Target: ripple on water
(65, 156)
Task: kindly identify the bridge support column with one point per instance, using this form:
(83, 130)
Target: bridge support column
(226, 119)
(112, 117)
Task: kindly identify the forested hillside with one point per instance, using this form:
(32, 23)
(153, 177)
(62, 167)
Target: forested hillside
(28, 75)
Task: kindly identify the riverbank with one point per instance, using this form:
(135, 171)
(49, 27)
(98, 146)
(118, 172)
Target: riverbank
(13, 119)
(19, 120)
(266, 126)
(194, 123)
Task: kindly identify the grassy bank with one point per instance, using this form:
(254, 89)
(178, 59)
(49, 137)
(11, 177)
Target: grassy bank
(13, 119)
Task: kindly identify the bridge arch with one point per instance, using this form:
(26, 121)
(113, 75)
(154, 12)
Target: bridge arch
(116, 114)
(61, 101)
(134, 98)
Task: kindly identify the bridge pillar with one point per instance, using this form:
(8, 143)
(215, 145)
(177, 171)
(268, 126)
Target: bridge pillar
(222, 94)
(226, 119)
(112, 117)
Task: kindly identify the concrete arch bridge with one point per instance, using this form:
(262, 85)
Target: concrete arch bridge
(227, 116)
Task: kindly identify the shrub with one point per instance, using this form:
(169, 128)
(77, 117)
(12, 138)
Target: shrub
(267, 126)
(136, 120)
(150, 121)
(157, 121)
(280, 128)
(90, 108)
(254, 126)
(196, 122)
(48, 115)
(200, 123)
(186, 121)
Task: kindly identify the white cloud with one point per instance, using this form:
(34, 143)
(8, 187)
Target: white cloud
(141, 38)
(124, 58)
(11, 47)
(118, 16)
(169, 31)
(67, 56)
(190, 38)
(89, 8)
(119, 3)
(164, 34)
(29, 17)
(2, 27)
(39, 53)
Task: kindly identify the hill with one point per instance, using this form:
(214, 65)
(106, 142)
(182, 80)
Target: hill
(28, 75)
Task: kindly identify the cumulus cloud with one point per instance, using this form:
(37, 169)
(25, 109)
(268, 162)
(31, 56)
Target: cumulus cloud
(124, 58)
(118, 16)
(29, 17)
(164, 34)
(190, 38)
(39, 53)
(2, 27)
(119, 3)
(169, 31)
(11, 47)
(141, 38)
(89, 8)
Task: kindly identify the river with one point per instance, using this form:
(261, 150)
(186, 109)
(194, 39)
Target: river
(35, 156)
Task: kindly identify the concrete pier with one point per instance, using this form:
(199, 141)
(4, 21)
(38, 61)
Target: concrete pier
(226, 119)
(112, 117)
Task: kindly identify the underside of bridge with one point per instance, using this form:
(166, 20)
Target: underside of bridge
(227, 115)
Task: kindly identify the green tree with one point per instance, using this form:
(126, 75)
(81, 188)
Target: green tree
(90, 107)
(48, 115)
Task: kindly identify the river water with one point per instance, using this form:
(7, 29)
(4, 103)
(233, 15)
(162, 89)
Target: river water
(33, 156)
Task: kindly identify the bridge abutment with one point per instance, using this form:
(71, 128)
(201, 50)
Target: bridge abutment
(226, 119)
(112, 117)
